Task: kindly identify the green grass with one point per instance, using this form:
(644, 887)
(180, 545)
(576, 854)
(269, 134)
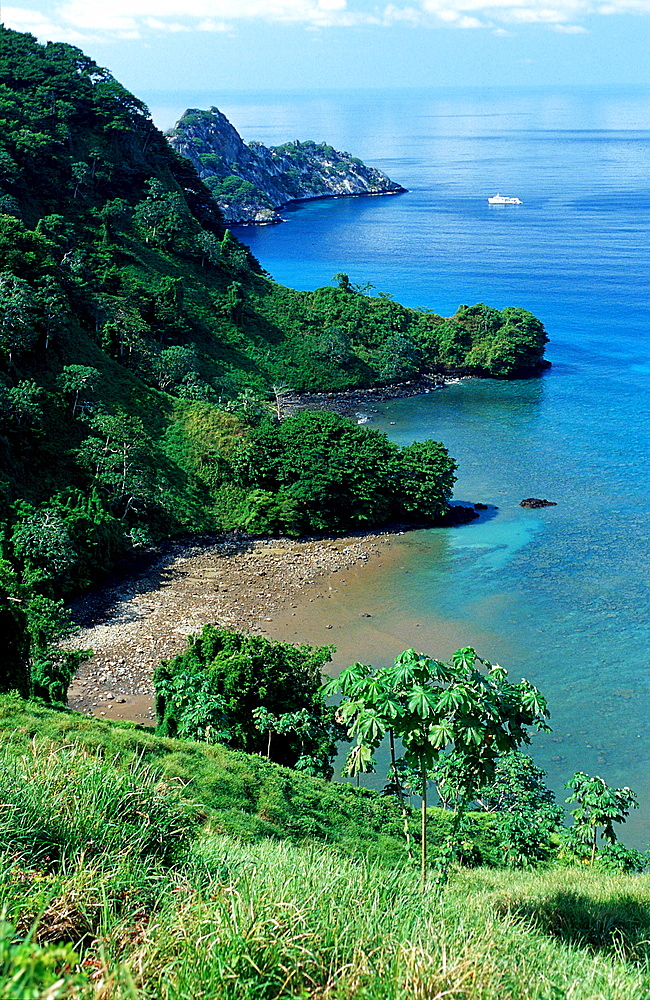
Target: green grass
(140, 868)
(240, 794)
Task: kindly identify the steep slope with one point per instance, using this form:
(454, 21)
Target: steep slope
(114, 885)
(139, 341)
(250, 182)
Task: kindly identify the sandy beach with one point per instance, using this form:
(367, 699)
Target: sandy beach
(265, 586)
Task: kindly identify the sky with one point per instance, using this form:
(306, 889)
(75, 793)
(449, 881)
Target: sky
(174, 45)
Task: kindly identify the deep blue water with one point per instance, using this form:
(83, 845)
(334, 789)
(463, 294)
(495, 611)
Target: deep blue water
(560, 594)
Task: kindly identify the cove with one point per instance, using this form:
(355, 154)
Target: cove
(555, 595)
(559, 595)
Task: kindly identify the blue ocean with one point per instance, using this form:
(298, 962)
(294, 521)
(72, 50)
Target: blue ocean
(559, 595)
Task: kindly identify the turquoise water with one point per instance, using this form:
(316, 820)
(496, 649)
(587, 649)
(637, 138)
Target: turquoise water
(559, 594)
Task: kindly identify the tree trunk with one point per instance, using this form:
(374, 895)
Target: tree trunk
(424, 828)
(400, 795)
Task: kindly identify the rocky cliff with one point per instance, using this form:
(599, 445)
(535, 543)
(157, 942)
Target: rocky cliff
(250, 182)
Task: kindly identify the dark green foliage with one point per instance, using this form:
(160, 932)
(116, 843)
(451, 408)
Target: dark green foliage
(331, 474)
(397, 342)
(123, 299)
(320, 472)
(14, 666)
(213, 691)
(426, 479)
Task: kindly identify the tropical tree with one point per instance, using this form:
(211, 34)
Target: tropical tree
(467, 705)
(20, 405)
(369, 710)
(162, 214)
(427, 479)
(17, 315)
(599, 806)
(524, 809)
(173, 364)
(77, 381)
(118, 454)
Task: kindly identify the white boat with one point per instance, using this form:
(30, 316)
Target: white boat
(501, 199)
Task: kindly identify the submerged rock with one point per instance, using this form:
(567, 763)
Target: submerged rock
(534, 502)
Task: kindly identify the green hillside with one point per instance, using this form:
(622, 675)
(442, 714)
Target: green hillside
(121, 295)
(136, 867)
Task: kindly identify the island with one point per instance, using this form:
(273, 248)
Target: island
(250, 181)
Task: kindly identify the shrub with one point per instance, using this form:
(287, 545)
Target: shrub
(213, 691)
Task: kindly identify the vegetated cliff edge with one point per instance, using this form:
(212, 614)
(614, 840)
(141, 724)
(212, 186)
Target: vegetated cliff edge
(250, 182)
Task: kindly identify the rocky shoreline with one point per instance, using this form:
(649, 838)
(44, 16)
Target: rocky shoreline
(358, 403)
(236, 581)
(251, 183)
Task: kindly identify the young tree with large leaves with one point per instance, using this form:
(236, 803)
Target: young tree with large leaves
(467, 705)
(598, 806)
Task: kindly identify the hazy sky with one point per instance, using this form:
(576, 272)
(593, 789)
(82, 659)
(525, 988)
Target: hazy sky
(295, 44)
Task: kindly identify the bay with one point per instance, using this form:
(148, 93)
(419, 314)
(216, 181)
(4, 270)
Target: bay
(559, 595)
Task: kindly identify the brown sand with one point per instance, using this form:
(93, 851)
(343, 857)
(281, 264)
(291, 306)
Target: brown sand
(263, 586)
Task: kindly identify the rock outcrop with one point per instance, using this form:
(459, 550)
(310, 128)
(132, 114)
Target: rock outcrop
(250, 181)
(534, 503)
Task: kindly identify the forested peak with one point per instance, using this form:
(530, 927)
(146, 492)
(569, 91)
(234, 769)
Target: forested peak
(27, 65)
(73, 138)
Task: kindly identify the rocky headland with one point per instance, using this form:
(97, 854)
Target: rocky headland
(250, 181)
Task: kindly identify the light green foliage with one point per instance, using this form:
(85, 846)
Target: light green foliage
(118, 462)
(64, 804)
(213, 691)
(245, 796)
(526, 816)
(29, 971)
(598, 807)
(162, 215)
(203, 440)
(79, 381)
(20, 405)
(466, 704)
(104, 858)
(17, 316)
(51, 668)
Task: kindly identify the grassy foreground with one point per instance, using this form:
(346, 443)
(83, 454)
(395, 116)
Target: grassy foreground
(115, 885)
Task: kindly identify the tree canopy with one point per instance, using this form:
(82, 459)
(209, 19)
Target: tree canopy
(328, 474)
